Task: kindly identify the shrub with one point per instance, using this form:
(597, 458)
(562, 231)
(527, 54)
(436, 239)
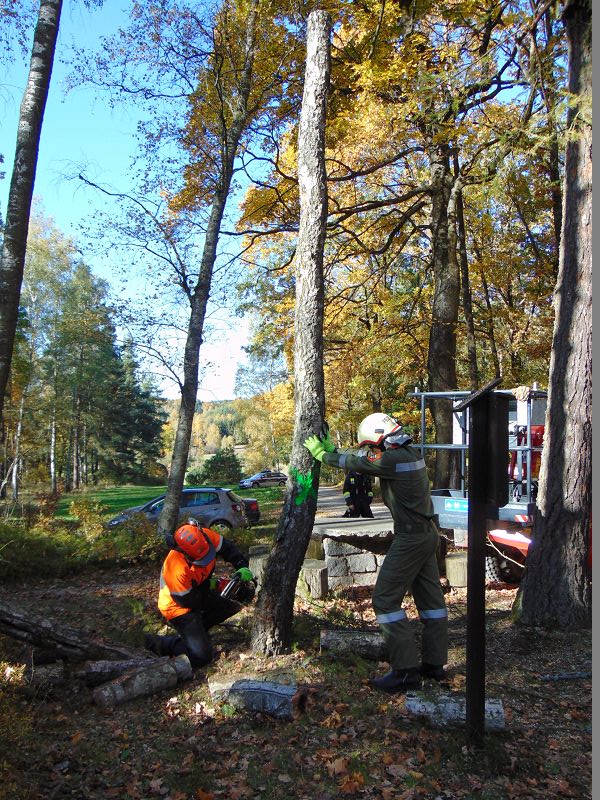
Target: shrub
(223, 467)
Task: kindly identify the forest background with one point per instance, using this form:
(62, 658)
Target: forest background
(444, 145)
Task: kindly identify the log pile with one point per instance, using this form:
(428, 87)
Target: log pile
(119, 673)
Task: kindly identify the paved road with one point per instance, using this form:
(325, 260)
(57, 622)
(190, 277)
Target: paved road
(331, 504)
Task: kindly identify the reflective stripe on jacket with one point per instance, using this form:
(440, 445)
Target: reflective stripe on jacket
(402, 477)
(179, 580)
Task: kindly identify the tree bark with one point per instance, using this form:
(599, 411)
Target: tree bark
(441, 359)
(60, 640)
(467, 299)
(368, 644)
(272, 630)
(556, 588)
(145, 680)
(22, 181)
(98, 672)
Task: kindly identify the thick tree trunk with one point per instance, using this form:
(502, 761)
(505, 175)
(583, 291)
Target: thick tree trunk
(23, 178)
(441, 360)
(272, 631)
(556, 586)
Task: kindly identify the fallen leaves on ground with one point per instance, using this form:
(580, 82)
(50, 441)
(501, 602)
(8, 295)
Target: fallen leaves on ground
(347, 741)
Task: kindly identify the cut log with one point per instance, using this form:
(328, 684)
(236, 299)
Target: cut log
(368, 644)
(275, 694)
(445, 710)
(144, 680)
(98, 672)
(46, 676)
(62, 640)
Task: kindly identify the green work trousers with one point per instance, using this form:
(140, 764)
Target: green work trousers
(411, 563)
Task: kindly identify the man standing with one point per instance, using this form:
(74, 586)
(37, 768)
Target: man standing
(358, 494)
(411, 561)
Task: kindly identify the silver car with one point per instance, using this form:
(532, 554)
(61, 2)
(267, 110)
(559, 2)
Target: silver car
(219, 509)
(264, 478)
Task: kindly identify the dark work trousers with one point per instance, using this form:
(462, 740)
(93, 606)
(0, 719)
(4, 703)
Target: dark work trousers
(411, 563)
(362, 506)
(192, 629)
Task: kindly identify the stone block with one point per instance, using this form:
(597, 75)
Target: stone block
(337, 567)
(314, 573)
(361, 562)
(334, 548)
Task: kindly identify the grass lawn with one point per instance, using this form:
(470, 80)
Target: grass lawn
(113, 500)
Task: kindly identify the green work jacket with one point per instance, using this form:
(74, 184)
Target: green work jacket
(403, 479)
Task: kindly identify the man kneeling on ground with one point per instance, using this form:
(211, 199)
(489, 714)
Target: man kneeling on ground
(188, 598)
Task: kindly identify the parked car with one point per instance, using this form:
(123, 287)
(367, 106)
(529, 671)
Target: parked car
(220, 509)
(264, 478)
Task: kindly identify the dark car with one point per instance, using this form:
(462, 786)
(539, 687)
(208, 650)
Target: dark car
(220, 509)
(252, 510)
(265, 478)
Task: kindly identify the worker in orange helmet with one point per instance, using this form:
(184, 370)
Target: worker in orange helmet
(186, 598)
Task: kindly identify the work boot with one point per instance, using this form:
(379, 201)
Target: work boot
(398, 680)
(154, 643)
(433, 671)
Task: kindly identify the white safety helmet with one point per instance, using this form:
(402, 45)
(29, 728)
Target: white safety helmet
(375, 428)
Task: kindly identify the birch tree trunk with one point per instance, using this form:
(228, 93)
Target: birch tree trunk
(199, 297)
(18, 437)
(272, 630)
(556, 585)
(22, 181)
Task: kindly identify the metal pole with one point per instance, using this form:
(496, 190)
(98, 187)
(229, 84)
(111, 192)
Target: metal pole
(478, 485)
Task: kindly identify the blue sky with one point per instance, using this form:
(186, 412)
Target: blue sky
(80, 129)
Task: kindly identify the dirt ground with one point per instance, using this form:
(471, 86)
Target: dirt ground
(348, 742)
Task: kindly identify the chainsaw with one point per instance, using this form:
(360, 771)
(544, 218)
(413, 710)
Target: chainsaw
(234, 588)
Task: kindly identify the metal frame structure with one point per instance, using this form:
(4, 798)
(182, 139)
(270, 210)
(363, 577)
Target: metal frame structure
(451, 505)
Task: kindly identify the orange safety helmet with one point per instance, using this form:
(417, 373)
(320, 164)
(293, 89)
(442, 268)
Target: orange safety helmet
(192, 542)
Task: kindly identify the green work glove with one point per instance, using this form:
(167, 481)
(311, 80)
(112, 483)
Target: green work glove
(326, 439)
(212, 583)
(316, 447)
(244, 574)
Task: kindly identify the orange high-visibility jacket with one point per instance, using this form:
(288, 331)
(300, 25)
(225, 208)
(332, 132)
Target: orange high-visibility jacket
(179, 579)
(183, 585)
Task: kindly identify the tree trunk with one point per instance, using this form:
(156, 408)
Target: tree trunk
(441, 360)
(60, 640)
(272, 631)
(52, 454)
(76, 483)
(556, 585)
(22, 181)
(199, 297)
(18, 438)
(467, 301)
(490, 325)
